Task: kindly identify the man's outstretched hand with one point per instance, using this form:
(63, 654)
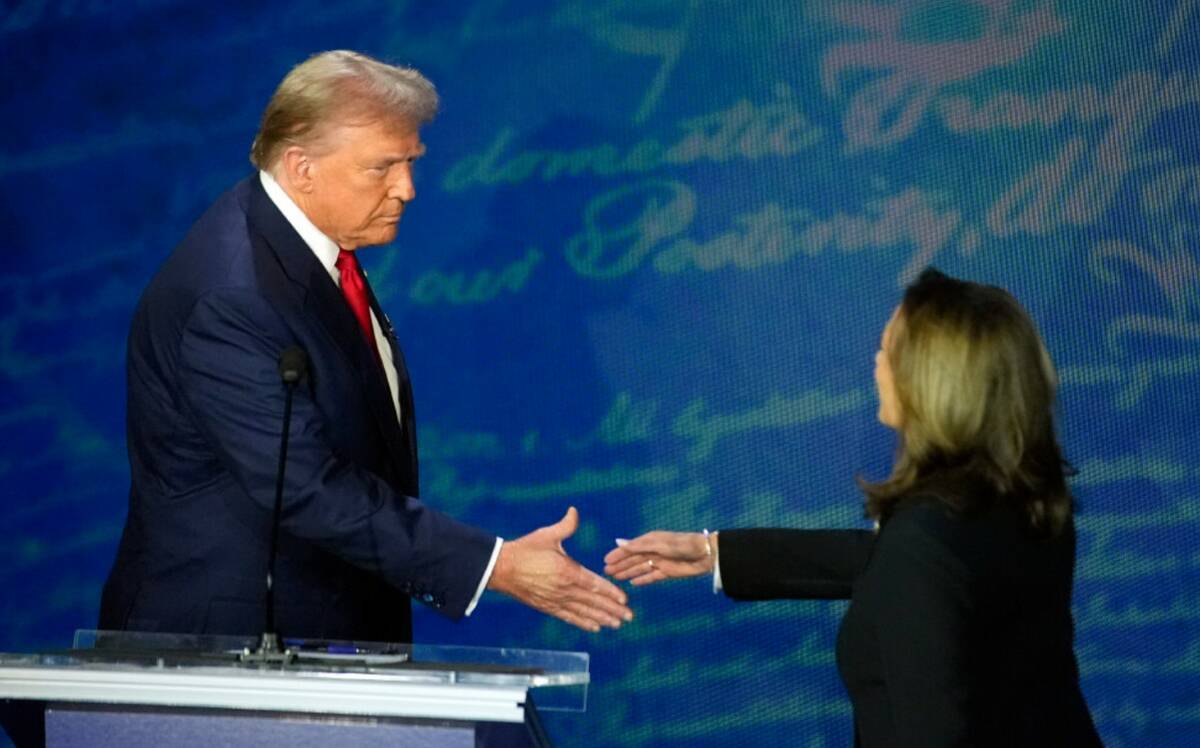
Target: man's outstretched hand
(536, 570)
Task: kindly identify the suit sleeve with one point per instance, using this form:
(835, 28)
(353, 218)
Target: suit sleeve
(922, 631)
(766, 564)
(229, 380)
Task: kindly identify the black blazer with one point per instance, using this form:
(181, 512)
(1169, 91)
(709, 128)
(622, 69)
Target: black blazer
(959, 630)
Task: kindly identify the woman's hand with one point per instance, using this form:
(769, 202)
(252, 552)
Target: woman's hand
(661, 555)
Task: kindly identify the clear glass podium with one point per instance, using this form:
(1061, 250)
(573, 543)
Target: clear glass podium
(134, 689)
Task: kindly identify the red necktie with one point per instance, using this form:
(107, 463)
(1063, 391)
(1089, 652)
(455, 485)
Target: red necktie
(354, 288)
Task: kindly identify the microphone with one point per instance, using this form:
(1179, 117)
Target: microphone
(293, 367)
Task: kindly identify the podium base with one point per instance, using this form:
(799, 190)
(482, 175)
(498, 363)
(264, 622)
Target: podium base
(91, 726)
(33, 724)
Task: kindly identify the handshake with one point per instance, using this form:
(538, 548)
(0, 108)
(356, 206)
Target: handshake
(536, 570)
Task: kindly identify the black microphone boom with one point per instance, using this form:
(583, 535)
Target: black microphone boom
(293, 367)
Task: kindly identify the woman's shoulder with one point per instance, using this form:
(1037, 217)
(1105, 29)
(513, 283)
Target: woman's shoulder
(922, 519)
(939, 514)
(958, 500)
(985, 539)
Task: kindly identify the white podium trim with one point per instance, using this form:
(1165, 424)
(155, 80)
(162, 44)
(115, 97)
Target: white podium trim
(361, 694)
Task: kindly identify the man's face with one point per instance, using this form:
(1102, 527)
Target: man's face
(362, 183)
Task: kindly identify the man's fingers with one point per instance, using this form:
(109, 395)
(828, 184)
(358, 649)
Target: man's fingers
(609, 607)
(586, 580)
(598, 585)
(593, 615)
(597, 592)
(582, 615)
(564, 614)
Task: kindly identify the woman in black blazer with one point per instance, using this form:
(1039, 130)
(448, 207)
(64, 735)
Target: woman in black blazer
(959, 630)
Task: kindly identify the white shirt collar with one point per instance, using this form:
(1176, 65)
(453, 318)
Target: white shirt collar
(322, 246)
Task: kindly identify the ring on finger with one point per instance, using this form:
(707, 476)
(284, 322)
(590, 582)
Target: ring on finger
(650, 563)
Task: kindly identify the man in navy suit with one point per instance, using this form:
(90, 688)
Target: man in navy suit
(269, 266)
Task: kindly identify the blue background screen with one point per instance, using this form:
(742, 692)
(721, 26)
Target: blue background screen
(654, 245)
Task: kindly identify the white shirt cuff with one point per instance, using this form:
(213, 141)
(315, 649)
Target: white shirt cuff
(487, 576)
(717, 586)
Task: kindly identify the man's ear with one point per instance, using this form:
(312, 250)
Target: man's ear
(298, 169)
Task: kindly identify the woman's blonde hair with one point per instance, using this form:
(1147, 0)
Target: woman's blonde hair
(975, 388)
(333, 88)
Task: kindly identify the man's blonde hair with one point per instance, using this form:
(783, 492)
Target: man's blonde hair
(334, 88)
(976, 390)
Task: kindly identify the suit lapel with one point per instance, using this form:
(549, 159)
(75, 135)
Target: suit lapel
(404, 390)
(324, 303)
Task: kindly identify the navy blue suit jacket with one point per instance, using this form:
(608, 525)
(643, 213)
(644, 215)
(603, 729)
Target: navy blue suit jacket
(205, 415)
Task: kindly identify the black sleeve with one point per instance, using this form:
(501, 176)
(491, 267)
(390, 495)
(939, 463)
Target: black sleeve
(802, 564)
(922, 609)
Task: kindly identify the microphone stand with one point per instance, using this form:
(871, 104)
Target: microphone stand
(293, 363)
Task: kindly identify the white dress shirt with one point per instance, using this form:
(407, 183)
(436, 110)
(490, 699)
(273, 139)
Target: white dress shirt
(327, 251)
